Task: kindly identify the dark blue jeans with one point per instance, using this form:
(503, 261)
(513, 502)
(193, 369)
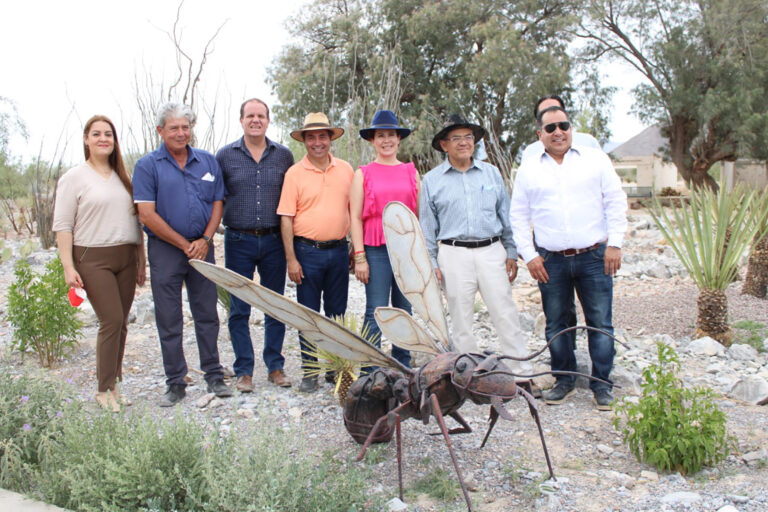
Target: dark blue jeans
(169, 268)
(326, 278)
(381, 284)
(243, 253)
(586, 274)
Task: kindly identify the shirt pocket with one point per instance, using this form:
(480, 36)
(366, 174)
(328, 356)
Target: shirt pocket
(486, 197)
(204, 189)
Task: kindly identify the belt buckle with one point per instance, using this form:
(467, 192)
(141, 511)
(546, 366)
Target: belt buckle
(570, 253)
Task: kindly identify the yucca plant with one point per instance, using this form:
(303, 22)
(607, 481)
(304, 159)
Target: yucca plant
(756, 281)
(709, 235)
(345, 371)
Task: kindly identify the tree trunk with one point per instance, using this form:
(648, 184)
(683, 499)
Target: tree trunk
(713, 316)
(756, 282)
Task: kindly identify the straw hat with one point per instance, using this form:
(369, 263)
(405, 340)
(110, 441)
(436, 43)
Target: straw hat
(316, 121)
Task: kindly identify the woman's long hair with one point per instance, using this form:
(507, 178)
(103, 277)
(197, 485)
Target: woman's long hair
(115, 158)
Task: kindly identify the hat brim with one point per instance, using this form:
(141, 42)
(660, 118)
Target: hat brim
(477, 130)
(367, 133)
(299, 134)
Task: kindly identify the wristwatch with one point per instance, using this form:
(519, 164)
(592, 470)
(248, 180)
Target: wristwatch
(208, 240)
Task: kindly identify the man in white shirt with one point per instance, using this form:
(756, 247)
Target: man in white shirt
(535, 149)
(573, 198)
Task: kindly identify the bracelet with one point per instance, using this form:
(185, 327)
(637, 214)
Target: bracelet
(359, 252)
(361, 258)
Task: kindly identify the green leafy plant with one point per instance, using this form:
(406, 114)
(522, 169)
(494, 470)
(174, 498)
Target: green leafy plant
(751, 332)
(42, 319)
(672, 427)
(709, 236)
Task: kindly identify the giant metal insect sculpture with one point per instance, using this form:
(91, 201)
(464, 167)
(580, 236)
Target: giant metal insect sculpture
(382, 399)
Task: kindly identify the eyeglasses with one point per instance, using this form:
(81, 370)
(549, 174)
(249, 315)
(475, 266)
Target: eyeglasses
(563, 125)
(470, 137)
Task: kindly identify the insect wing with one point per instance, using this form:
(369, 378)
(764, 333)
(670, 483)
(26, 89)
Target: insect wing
(318, 329)
(413, 269)
(400, 328)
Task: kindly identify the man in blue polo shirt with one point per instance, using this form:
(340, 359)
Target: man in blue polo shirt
(253, 168)
(179, 193)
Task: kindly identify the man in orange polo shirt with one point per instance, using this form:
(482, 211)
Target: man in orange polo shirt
(314, 210)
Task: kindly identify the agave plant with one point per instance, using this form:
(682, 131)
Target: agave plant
(345, 371)
(756, 281)
(709, 235)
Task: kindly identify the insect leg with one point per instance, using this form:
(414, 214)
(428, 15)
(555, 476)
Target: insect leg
(441, 421)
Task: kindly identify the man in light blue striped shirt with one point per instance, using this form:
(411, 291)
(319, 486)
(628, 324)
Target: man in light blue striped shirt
(464, 213)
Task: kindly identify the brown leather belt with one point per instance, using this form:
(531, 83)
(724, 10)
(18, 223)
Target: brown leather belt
(574, 252)
(258, 232)
(472, 244)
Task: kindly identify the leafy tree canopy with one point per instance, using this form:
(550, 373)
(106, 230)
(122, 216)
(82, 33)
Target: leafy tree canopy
(425, 59)
(706, 69)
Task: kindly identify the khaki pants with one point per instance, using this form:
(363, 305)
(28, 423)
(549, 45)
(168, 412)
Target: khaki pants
(465, 271)
(109, 278)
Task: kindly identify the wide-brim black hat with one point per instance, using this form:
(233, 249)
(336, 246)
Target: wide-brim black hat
(456, 121)
(384, 120)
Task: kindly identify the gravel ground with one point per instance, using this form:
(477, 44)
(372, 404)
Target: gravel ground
(595, 471)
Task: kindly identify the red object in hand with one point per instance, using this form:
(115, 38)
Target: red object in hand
(76, 296)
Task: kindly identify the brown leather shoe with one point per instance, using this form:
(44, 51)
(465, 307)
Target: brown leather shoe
(244, 384)
(278, 378)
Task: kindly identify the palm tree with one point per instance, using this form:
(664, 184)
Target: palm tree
(709, 235)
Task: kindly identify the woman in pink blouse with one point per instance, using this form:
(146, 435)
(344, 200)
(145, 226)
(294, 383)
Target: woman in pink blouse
(101, 247)
(374, 185)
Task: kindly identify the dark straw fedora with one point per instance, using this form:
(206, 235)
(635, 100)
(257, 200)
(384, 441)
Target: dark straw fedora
(384, 120)
(316, 121)
(457, 121)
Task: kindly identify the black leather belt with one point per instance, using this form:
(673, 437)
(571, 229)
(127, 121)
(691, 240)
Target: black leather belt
(472, 244)
(258, 232)
(328, 244)
(574, 252)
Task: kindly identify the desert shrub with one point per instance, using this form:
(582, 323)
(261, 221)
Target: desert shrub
(672, 427)
(42, 319)
(32, 409)
(669, 192)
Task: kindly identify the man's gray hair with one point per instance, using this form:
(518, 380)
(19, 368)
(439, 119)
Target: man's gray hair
(174, 111)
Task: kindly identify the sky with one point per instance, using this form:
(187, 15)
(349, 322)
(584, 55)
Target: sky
(65, 61)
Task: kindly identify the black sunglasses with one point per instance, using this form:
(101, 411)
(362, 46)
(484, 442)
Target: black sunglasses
(563, 125)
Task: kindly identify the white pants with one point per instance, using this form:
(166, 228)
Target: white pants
(465, 271)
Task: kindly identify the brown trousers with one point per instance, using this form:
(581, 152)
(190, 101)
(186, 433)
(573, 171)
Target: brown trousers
(109, 278)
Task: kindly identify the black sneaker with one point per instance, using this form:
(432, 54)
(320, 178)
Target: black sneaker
(559, 393)
(603, 399)
(220, 389)
(308, 384)
(173, 395)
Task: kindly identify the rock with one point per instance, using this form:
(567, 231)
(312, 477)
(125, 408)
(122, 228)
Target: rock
(683, 497)
(527, 322)
(753, 459)
(246, 413)
(750, 388)
(604, 449)
(395, 505)
(706, 346)
(737, 498)
(145, 312)
(295, 413)
(204, 400)
(742, 352)
(659, 270)
(728, 508)
(539, 326)
(649, 476)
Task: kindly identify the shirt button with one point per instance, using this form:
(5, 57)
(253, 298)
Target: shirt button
(258, 202)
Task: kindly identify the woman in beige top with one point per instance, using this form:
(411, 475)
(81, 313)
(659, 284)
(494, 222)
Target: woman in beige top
(101, 246)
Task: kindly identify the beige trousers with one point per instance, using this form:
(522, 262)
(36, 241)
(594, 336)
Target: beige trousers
(465, 271)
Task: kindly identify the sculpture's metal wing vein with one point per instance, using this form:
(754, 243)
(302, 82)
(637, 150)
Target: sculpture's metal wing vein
(413, 269)
(401, 327)
(318, 329)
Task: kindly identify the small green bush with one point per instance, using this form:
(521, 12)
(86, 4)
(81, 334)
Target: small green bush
(438, 484)
(32, 409)
(672, 427)
(38, 309)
